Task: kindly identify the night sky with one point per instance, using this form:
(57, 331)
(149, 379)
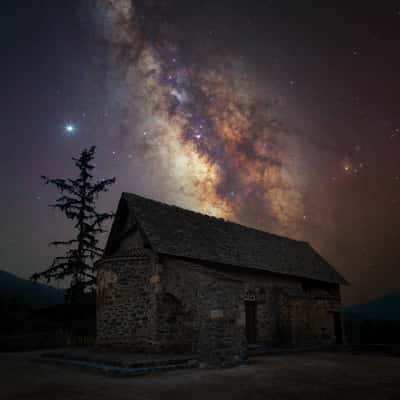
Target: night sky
(282, 115)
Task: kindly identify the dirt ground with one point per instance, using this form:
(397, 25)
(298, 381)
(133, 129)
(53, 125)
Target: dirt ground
(297, 376)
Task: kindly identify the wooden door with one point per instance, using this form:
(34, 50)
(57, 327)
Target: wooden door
(251, 321)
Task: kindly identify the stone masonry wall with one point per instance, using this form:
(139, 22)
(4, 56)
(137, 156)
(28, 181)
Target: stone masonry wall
(149, 303)
(215, 327)
(215, 301)
(126, 303)
(312, 319)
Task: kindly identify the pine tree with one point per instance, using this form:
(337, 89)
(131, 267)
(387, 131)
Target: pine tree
(77, 202)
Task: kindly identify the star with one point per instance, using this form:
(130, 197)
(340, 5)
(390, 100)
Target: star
(346, 167)
(70, 129)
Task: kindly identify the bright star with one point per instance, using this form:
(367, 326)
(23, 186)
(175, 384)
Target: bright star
(70, 128)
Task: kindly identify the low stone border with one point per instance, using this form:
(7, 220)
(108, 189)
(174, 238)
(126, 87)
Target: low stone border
(119, 368)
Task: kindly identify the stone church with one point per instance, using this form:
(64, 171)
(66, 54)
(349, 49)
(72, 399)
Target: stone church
(173, 280)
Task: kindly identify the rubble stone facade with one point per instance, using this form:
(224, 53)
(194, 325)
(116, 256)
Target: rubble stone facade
(150, 301)
(165, 304)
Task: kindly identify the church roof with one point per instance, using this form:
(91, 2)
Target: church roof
(179, 232)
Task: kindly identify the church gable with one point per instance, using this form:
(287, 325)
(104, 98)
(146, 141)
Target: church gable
(130, 245)
(126, 238)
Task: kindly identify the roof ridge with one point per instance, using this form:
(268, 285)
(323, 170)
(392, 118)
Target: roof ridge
(223, 220)
(186, 233)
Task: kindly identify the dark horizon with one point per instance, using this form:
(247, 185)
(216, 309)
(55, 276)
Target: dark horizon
(280, 116)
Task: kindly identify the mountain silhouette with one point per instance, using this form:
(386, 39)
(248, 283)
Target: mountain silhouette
(34, 295)
(384, 308)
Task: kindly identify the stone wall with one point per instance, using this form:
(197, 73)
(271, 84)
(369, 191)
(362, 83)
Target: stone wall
(214, 301)
(312, 319)
(150, 303)
(210, 298)
(126, 303)
(286, 313)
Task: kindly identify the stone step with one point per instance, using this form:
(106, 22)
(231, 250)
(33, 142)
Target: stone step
(116, 370)
(116, 360)
(119, 368)
(114, 366)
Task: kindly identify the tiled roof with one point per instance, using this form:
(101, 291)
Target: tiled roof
(178, 232)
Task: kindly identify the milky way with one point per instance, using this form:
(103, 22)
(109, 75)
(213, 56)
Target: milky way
(213, 142)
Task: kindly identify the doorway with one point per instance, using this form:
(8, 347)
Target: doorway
(337, 321)
(251, 321)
